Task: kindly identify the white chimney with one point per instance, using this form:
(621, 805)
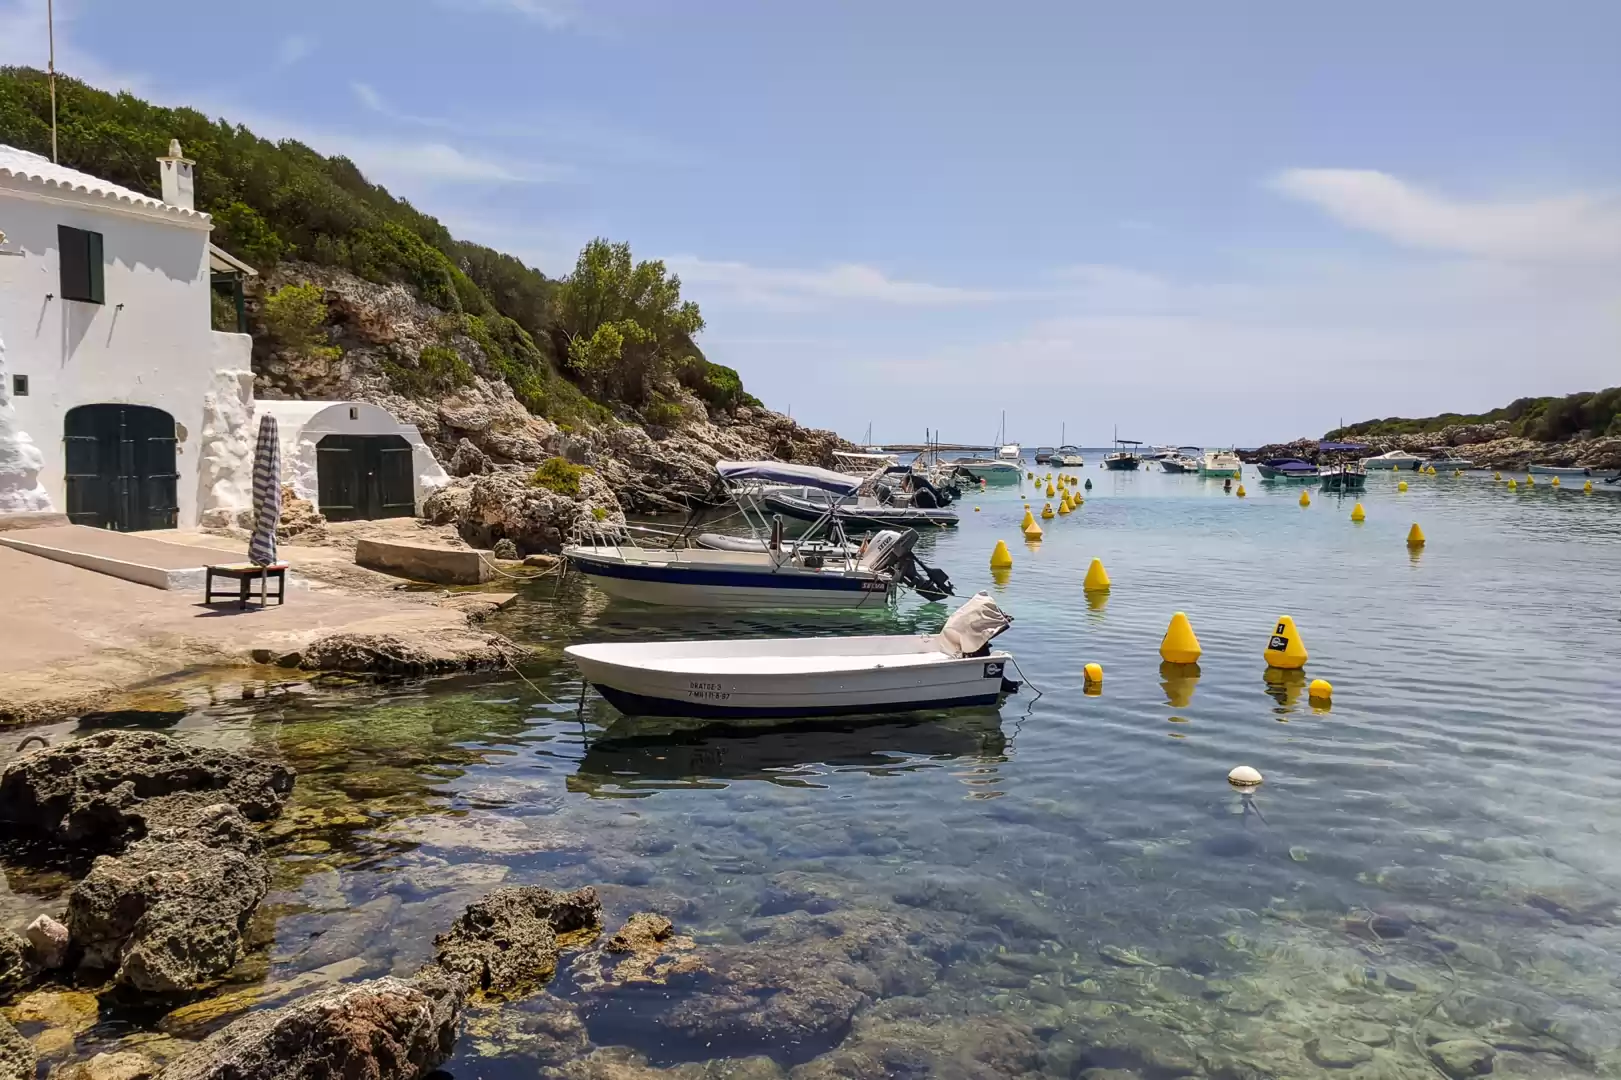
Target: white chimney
(179, 184)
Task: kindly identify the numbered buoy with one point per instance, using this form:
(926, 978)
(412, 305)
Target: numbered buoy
(1097, 579)
(1415, 536)
(1285, 649)
(1320, 690)
(1001, 557)
(1179, 645)
(1358, 514)
(1244, 777)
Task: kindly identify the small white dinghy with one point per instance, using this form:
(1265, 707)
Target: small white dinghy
(823, 676)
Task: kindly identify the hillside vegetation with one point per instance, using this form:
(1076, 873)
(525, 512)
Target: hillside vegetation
(1545, 419)
(591, 346)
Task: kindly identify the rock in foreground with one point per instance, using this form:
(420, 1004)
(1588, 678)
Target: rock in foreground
(107, 789)
(397, 654)
(505, 944)
(17, 1061)
(15, 970)
(385, 1029)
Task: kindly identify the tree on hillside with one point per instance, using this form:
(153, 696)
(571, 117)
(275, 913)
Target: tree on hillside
(626, 324)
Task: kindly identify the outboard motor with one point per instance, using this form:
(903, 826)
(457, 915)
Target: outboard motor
(890, 551)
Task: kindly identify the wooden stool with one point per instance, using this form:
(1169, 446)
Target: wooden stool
(245, 574)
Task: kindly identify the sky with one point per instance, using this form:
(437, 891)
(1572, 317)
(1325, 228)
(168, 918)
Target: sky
(1199, 223)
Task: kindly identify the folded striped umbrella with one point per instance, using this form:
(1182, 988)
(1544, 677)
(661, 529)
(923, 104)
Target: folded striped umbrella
(266, 493)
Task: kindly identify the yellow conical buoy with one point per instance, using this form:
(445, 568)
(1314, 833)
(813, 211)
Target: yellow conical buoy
(1285, 649)
(1240, 491)
(1047, 512)
(1512, 484)
(1497, 476)
(1097, 579)
(1358, 514)
(1530, 481)
(1402, 486)
(1029, 520)
(1029, 476)
(1588, 487)
(1050, 491)
(1320, 690)
(1001, 557)
(1063, 504)
(1556, 481)
(1179, 645)
(1094, 673)
(1415, 536)
(1305, 499)
(1393, 468)
(976, 509)
(1032, 531)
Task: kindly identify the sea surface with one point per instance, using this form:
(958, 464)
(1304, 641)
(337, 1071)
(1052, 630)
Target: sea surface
(1425, 884)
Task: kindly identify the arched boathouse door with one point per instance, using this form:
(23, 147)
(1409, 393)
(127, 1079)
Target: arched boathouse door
(121, 471)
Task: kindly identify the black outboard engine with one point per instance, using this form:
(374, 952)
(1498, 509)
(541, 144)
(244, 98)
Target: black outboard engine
(890, 551)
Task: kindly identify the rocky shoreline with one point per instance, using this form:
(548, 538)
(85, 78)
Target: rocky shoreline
(1488, 446)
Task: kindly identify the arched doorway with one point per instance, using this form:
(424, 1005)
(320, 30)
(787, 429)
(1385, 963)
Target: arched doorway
(121, 470)
(365, 476)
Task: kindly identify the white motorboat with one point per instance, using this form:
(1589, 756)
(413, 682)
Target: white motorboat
(785, 574)
(862, 464)
(1180, 462)
(990, 470)
(1392, 459)
(1558, 470)
(1221, 463)
(817, 676)
(1067, 457)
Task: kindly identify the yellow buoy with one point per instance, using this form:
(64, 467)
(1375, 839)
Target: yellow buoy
(1244, 777)
(1402, 486)
(1240, 491)
(1512, 484)
(1094, 673)
(1097, 579)
(1047, 512)
(1050, 491)
(1179, 645)
(1393, 468)
(1530, 481)
(1285, 649)
(1001, 557)
(1556, 481)
(1588, 487)
(1029, 519)
(1032, 531)
(976, 509)
(1320, 690)
(1063, 505)
(1358, 514)
(1497, 476)
(1305, 499)
(1415, 536)
(1029, 476)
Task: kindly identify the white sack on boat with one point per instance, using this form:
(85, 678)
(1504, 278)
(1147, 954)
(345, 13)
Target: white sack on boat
(973, 625)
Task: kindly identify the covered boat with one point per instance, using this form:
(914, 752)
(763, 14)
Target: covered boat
(857, 513)
(1287, 469)
(817, 676)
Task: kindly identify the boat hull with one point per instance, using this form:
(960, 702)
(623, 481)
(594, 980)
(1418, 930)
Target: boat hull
(1269, 473)
(948, 684)
(1170, 466)
(1558, 470)
(676, 585)
(1218, 472)
(1121, 464)
(1345, 481)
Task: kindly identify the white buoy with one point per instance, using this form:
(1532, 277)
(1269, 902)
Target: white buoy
(1244, 776)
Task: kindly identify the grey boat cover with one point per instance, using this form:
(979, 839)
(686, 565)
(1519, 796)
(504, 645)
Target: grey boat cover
(972, 626)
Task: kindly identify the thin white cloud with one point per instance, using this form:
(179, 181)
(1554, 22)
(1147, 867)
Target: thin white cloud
(1570, 228)
(552, 14)
(796, 289)
(292, 49)
(373, 101)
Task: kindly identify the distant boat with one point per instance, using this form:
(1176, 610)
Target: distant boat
(1287, 469)
(1221, 463)
(1346, 476)
(1067, 457)
(1044, 454)
(1123, 460)
(1447, 461)
(1159, 453)
(990, 470)
(1559, 470)
(1181, 462)
(1399, 459)
(1010, 452)
(857, 513)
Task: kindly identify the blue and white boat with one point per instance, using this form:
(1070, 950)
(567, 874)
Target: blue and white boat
(1287, 469)
(783, 573)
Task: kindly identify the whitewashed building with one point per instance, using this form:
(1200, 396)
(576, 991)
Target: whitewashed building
(120, 406)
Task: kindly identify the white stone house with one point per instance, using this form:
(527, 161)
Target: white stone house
(120, 406)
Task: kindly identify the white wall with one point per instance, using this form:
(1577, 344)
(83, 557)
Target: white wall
(157, 349)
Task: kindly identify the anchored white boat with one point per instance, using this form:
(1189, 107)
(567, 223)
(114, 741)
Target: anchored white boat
(1220, 463)
(792, 677)
(1559, 470)
(1393, 459)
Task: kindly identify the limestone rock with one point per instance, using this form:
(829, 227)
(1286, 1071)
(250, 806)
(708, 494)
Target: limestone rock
(125, 1065)
(642, 931)
(1460, 1058)
(468, 460)
(1333, 1052)
(505, 943)
(17, 1060)
(385, 1029)
(168, 914)
(47, 942)
(506, 549)
(505, 505)
(15, 969)
(112, 786)
(394, 654)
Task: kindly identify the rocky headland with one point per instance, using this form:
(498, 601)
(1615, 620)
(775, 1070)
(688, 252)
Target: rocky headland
(1490, 445)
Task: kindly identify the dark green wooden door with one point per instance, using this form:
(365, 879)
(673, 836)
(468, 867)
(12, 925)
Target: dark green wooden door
(360, 477)
(121, 471)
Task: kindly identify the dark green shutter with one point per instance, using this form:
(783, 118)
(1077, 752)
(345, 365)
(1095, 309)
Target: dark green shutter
(97, 277)
(80, 257)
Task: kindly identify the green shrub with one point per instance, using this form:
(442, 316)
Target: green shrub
(599, 513)
(221, 312)
(663, 413)
(438, 370)
(559, 475)
(295, 318)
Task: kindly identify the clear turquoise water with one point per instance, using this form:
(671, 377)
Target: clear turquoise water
(1071, 883)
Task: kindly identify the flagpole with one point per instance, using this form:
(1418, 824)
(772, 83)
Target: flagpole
(50, 30)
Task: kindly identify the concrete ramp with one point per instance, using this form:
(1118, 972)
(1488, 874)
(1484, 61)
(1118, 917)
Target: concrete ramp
(130, 556)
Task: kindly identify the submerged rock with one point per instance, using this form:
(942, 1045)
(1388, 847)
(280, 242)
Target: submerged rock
(385, 1029)
(168, 914)
(17, 1060)
(542, 1029)
(505, 944)
(47, 942)
(120, 1066)
(1333, 1052)
(15, 969)
(1460, 1058)
(109, 788)
(397, 654)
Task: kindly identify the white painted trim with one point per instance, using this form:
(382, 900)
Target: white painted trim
(92, 201)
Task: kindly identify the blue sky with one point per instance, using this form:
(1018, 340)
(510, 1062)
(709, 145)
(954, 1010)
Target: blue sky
(1203, 222)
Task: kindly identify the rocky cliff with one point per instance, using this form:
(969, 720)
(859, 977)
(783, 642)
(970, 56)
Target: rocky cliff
(489, 442)
(1490, 446)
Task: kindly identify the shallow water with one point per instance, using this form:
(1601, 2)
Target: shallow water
(1069, 883)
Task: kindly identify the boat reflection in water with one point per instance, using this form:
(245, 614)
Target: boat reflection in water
(640, 755)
